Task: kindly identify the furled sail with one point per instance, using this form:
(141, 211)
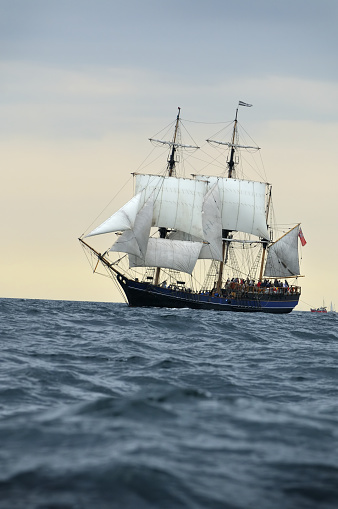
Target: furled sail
(178, 202)
(170, 254)
(135, 240)
(242, 205)
(122, 220)
(282, 260)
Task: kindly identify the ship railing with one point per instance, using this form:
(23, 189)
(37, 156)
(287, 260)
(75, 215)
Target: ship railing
(238, 289)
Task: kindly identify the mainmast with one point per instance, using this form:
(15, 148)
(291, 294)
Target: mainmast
(171, 160)
(231, 168)
(231, 162)
(265, 244)
(225, 233)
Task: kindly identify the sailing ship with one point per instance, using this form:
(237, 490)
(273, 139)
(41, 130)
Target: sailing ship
(202, 242)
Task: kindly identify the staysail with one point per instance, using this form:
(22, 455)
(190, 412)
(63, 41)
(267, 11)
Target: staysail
(283, 260)
(122, 220)
(135, 240)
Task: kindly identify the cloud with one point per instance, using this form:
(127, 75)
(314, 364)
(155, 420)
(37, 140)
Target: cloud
(56, 102)
(51, 101)
(24, 81)
(192, 38)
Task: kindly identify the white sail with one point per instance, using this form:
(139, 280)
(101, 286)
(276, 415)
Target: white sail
(242, 205)
(282, 259)
(170, 254)
(178, 235)
(212, 228)
(212, 225)
(122, 220)
(178, 202)
(135, 240)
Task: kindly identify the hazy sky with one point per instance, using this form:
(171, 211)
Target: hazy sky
(83, 84)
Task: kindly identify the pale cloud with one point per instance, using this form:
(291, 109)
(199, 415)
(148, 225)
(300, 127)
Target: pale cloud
(50, 101)
(91, 102)
(28, 82)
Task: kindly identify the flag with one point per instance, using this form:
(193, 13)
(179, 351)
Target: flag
(301, 236)
(241, 103)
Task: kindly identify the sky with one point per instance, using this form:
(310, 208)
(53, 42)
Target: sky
(85, 83)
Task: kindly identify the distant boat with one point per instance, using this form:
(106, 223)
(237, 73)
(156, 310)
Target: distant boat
(323, 309)
(332, 308)
(221, 219)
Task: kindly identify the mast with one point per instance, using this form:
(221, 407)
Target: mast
(225, 233)
(171, 173)
(265, 244)
(171, 161)
(231, 163)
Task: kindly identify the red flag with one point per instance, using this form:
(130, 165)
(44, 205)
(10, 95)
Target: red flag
(301, 236)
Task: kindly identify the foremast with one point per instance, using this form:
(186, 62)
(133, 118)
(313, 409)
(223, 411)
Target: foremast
(171, 169)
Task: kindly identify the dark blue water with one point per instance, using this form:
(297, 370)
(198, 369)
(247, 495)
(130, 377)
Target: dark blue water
(104, 406)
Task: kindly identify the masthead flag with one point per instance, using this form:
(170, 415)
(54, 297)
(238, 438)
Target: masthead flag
(301, 236)
(241, 103)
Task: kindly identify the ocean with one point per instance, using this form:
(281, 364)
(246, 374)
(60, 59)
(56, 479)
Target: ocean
(106, 406)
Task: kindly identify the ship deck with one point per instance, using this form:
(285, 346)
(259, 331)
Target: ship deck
(142, 294)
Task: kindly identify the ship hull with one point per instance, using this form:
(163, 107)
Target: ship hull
(148, 295)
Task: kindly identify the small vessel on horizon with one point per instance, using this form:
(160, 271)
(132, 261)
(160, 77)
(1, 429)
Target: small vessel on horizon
(204, 242)
(322, 309)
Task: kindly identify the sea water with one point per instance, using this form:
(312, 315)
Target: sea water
(106, 406)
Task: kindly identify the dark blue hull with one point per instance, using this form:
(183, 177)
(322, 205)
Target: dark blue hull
(148, 295)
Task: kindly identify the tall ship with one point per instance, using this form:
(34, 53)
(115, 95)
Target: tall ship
(203, 242)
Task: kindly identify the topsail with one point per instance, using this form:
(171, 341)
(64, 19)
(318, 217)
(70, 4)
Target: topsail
(242, 205)
(178, 202)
